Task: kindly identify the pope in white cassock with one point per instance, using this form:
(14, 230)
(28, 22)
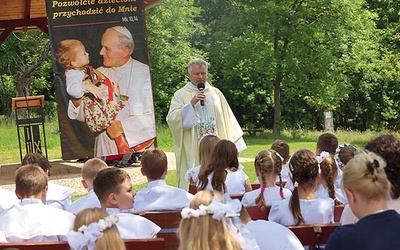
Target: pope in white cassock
(136, 120)
(184, 118)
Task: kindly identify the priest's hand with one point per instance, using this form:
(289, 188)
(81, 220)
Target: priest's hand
(199, 96)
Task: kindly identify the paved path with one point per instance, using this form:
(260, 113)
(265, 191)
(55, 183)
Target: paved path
(68, 173)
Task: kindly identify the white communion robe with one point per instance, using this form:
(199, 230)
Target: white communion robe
(183, 118)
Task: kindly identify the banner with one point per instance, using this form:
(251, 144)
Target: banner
(102, 77)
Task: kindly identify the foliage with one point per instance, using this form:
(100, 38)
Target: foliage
(170, 31)
(20, 51)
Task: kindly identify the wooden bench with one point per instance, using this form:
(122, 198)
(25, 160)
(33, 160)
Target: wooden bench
(337, 213)
(134, 244)
(313, 235)
(169, 223)
(257, 213)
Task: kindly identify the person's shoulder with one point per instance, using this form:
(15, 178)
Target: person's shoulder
(139, 64)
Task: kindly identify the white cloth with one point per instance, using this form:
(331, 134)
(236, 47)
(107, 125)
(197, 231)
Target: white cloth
(273, 236)
(160, 196)
(132, 226)
(7, 199)
(31, 220)
(137, 117)
(193, 173)
(314, 211)
(183, 118)
(74, 82)
(323, 192)
(234, 181)
(89, 200)
(59, 196)
(271, 196)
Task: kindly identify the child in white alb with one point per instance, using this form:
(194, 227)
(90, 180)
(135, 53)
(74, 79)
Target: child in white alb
(268, 164)
(57, 196)
(30, 219)
(89, 170)
(306, 207)
(206, 147)
(224, 173)
(114, 189)
(8, 199)
(158, 195)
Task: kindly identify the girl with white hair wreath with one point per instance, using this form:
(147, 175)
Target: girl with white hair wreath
(212, 222)
(95, 229)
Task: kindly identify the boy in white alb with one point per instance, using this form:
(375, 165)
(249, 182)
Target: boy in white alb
(30, 219)
(158, 195)
(8, 199)
(57, 196)
(89, 172)
(114, 189)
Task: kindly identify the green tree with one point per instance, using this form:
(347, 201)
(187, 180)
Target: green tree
(294, 49)
(170, 27)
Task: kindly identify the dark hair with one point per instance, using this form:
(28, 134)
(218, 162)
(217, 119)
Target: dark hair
(304, 169)
(282, 148)
(388, 147)
(225, 155)
(108, 181)
(154, 162)
(328, 142)
(37, 159)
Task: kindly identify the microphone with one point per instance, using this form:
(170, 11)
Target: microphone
(201, 87)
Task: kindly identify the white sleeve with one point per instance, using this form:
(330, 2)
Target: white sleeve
(74, 83)
(189, 118)
(75, 113)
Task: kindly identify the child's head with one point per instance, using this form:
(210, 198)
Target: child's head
(225, 155)
(282, 148)
(329, 172)
(365, 175)
(388, 147)
(95, 229)
(38, 160)
(31, 182)
(204, 232)
(206, 147)
(89, 171)
(114, 189)
(71, 53)
(303, 167)
(327, 142)
(267, 163)
(154, 164)
(344, 153)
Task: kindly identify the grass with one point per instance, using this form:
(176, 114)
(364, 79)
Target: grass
(297, 139)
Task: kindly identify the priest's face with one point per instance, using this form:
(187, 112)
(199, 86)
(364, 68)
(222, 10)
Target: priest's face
(198, 74)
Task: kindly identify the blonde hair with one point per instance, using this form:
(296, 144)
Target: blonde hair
(204, 232)
(66, 52)
(30, 180)
(365, 174)
(267, 162)
(91, 167)
(110, 239)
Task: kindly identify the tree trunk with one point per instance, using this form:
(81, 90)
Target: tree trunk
(22, 79)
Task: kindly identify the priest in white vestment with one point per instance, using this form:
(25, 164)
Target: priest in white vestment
(184, 116)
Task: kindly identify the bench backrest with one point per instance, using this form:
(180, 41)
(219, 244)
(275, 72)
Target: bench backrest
(337, 213)
(257, 213)
(134, 244)
(169, 223)
(314, 235)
